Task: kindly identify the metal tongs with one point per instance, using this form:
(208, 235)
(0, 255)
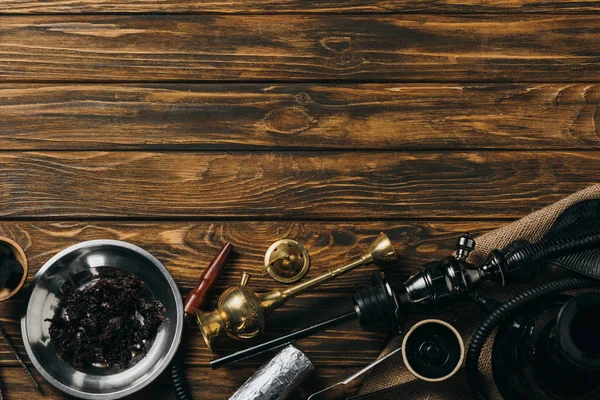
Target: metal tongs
(356, 375)
(20, 360)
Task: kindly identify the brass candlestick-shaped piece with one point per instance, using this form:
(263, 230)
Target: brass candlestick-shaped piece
(241, 313)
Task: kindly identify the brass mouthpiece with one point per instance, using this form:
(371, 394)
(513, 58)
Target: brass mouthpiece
(241, 313)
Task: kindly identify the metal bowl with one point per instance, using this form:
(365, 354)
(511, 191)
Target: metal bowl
(80, 265)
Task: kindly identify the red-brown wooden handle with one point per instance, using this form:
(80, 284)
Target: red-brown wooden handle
(196, 298)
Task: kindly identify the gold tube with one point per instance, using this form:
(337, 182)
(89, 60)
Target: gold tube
(303, 287)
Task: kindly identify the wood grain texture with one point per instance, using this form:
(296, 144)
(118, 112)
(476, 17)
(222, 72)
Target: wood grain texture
(299, 116)
(249, 119)
(185, 248)
(203, 384)
(296, 48)
(294, 6)
(294, 185)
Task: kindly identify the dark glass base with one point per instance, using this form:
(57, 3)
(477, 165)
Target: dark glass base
(526, 364)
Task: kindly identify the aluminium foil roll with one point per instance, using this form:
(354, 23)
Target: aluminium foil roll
(278, 378)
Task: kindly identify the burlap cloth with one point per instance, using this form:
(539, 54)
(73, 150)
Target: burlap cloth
(392, 373)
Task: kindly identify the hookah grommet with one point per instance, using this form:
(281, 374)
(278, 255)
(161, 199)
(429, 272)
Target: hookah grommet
(433, 350)
(278, 378)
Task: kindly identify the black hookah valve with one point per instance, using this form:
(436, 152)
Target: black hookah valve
(464, 247)
(377, 306)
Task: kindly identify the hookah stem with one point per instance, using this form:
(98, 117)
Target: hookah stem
(305, 286)
(282, 341)
(19, 359)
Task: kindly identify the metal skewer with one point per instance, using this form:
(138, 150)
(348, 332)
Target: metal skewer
(20, 360)
(281, 341)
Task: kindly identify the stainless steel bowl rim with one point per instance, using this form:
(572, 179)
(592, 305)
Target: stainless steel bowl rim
(154, 374)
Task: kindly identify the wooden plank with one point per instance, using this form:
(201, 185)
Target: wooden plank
(296, 48)
(290, 185)
(295, 6)
(311, 116)
(204, 384)
(186, 248)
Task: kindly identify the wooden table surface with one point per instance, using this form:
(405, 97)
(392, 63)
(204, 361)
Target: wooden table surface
(177, 125)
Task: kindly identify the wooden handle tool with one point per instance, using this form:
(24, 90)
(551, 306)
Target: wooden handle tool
(196, 298)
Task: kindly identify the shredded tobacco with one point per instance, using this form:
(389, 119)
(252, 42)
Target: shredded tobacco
(105, 323)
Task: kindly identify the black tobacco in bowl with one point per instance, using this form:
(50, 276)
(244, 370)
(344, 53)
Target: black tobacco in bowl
(11, 271)
(106, 323)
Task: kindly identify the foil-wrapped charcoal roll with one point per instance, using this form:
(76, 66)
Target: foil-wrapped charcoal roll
(278, 378)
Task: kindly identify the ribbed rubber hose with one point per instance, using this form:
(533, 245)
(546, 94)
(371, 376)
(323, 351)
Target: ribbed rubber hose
(179, 384)
(180, 387)
(546, 250)
(500, 314)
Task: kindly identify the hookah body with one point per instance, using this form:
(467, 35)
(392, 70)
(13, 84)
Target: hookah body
(441, 284)
(378, 307)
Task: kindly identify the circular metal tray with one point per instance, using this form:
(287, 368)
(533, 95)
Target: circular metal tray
(81, 265)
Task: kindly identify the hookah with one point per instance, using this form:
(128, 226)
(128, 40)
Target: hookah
(379, 307)
(241, 313)
(573, 242)
(553, 338)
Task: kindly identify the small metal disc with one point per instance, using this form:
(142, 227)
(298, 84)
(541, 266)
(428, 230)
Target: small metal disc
(286, 261)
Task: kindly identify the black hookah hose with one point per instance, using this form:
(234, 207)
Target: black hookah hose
(526, 256)
(517, 262)
(180, 387)
(500, 314)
